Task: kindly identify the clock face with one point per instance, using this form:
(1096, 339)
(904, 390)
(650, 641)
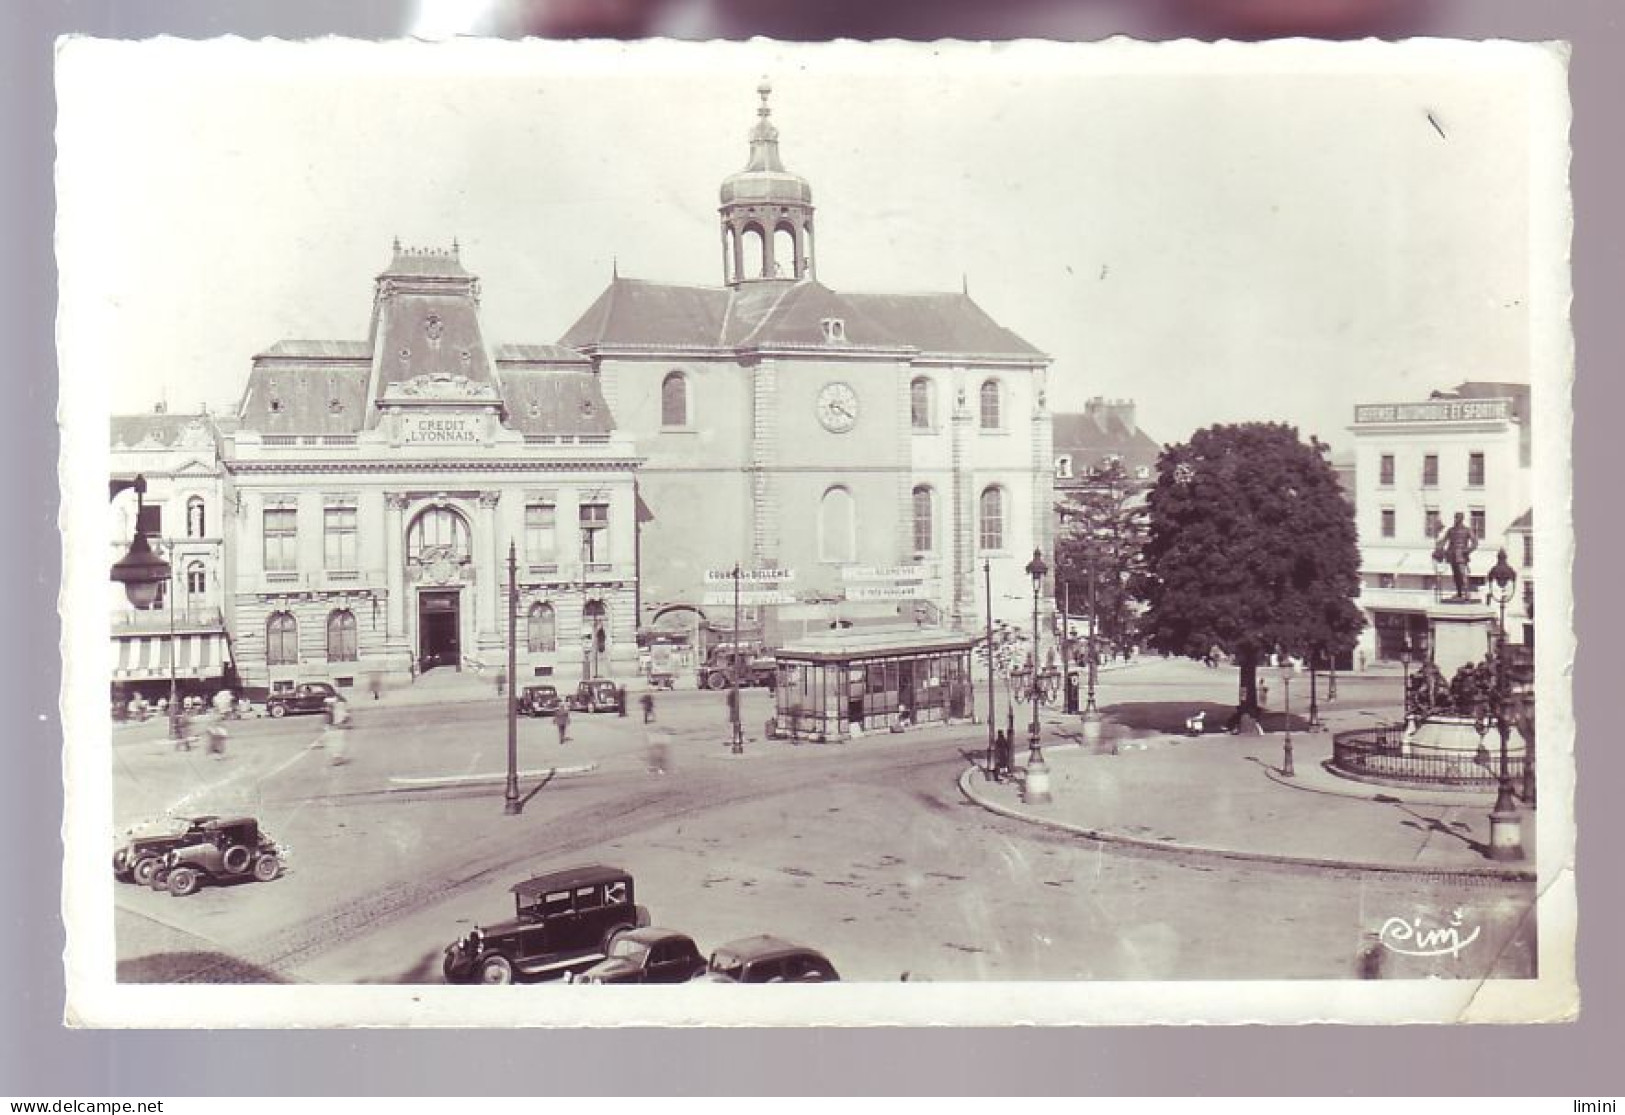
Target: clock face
(838, 407)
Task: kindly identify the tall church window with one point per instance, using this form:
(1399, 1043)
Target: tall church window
(992, 406)
(281, 640)
(837, 526)
(541, 630)
(924, 525)
(674, 400)
(991, 518)
(341, 638)
(919, 403)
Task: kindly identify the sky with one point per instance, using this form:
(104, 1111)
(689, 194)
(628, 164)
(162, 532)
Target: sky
(1219, 233)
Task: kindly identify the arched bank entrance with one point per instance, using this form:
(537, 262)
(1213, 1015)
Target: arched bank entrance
(439, 555)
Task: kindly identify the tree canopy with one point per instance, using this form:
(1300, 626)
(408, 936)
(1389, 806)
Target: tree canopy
(1251, 548)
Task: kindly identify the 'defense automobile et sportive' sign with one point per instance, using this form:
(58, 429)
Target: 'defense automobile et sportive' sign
(1437, 410)
(442, 429)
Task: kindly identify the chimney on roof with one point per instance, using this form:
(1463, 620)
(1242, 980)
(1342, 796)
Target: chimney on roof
(1103, 412)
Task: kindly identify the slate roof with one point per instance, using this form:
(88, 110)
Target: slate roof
(1089, 438)
(638, 313)
(128, 431)
(301, 398)
(551, 401)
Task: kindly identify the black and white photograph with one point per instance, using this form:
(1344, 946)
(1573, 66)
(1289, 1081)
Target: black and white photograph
(988, 534)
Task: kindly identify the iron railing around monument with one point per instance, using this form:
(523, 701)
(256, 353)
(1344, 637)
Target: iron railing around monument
(1380, 753)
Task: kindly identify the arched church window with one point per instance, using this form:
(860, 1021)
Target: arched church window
(837, 526)
(992, 406)
(674, 400)
(197, 579)
(784, 253)
(194, 517)
(992, 518)
(919, 403)
(924, 515)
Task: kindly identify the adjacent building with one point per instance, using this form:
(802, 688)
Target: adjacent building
(1417, 465)
(1107, 432)
(186, 515)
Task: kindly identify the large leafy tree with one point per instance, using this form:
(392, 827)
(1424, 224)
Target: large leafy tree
(1099, 551)
(1251, 548)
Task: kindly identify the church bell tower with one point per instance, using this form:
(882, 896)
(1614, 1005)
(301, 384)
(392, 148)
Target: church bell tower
(767, 212)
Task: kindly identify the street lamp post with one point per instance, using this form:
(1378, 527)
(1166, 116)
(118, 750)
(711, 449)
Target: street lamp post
(1091, 714)
(1405, 684)
(733, 673)
(175, 729)
(511, 805)
(992, 696)
(1036, 784)
(1286, 755)
(1506, 825)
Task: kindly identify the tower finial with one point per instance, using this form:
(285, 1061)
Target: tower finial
(456, 249)
(964, 283)
(396, 245)
(614, 267)
(764, 90)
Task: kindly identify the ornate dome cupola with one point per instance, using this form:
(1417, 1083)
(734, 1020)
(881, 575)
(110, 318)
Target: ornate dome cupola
(767, 212)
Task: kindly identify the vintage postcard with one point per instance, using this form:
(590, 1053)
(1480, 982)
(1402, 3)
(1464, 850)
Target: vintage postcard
(952, 534)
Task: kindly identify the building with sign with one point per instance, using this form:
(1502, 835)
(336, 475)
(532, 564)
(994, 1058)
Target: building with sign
(185, 516)
(1417, 466)
(787, 424)
(381, 484)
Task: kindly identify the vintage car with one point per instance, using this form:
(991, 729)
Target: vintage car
(766, 959)
(564, 921)
(595, 696)
(648, 956)
(538, 700)
(309, 696)
(224, 850)
(142, 851)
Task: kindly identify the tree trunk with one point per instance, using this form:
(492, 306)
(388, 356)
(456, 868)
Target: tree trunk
(1247, 700)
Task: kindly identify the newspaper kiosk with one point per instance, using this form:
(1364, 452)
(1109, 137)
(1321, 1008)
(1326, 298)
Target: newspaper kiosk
(836, 685)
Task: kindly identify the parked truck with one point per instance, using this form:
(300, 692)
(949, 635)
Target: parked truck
(754, 666)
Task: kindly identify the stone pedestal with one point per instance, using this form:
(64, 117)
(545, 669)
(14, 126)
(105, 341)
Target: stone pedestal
(1459, 634)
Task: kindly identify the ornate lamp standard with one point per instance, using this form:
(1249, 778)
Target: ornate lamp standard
(1091, 713)
(511, 805)
(141, 571)
(992, 696)
(1286, 755)
(1036, 785)
(1405, 686)
(1506, 825)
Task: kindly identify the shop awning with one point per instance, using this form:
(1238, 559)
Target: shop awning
(146, 657)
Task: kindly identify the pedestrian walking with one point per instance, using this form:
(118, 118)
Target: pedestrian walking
(338, 731)
(561, 719)
(620, 700)
(1003, 757)
(216, 737)
(648, 703)
(183, 732)
(657, 759)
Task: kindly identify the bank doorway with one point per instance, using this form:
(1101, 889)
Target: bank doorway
(439, 624)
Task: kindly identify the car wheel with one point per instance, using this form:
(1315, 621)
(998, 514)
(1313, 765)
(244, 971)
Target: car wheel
(266, 868)
(184, 881)
(145, 868)
(277, 711)
(496, 969)
(237, 859)
(717, 681)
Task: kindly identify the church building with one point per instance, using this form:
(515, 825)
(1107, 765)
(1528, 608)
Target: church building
(881, 447)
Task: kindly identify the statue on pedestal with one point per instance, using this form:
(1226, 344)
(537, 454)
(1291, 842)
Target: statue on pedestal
(1455, 546)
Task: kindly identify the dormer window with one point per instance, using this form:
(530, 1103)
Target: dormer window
(834, 329)
(276, 406)
(1063, 468)
(335, 406)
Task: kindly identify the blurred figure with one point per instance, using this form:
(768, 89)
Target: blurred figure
(648, 703)
(657, 759)
(561, 720)
(216, 736)
(338, 731)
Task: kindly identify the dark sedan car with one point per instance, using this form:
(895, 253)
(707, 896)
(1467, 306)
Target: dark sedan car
(648, 956)
(596, 696)
(766, 959)
(310, 696)
(538, 700)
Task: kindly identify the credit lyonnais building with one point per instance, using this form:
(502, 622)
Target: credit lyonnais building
(380, 485)
(786, 424)
(1417, 466)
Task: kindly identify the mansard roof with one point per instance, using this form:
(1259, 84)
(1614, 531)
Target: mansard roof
(160, 430)
(641, 314)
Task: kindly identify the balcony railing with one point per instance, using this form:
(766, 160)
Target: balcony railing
(158, 619)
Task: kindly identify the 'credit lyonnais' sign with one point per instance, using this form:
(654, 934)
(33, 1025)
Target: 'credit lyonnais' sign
(442, 429)
(1438, 410)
